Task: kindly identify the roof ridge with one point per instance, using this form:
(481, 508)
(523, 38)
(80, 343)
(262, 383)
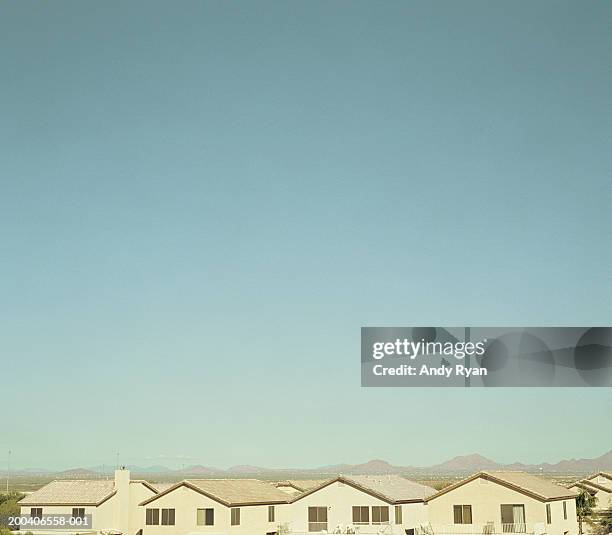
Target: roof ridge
(80, 481)
(230, 479)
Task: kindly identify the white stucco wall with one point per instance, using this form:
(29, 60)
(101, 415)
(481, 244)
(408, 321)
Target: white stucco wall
(486, 498)
(102, 517)
(339, 499)
(138, 494)
(120, 513)
(186, 502)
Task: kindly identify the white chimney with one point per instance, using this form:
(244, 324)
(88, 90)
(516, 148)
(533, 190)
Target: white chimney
(122, 478)
(122, 500)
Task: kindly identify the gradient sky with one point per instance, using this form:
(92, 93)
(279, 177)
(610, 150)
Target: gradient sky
(202, 202)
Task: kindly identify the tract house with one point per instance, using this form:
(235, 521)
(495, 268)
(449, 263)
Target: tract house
(360, 504)
(216, 506)
(598, 485)
(112, 505)
(502, 502)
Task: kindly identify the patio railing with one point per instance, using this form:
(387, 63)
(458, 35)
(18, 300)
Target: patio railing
(490, 528)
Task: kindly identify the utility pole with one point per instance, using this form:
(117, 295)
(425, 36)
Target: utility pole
(8, 470)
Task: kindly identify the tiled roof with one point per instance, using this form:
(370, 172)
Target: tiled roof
(394, 487)
(529, 484)
(301, 484)
(161, 487)
(607, 475)
(74, 492)
(584, 487)
(231, 492)
(390, 488)
(595, 485)
(239, 491)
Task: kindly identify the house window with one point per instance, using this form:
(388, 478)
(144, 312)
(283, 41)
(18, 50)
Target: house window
(317, 518)
(152, 517)
(235, 521)
(548, 514)
(36, 512)
(167, 517)
(361, 514)
(513, 518)
(380, 514)
(564, 510)
(398, 514)
(206, 517)
(78, 512)
(462, 514)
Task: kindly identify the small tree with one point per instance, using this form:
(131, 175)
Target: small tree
(584, 507)
(604, 525)
(9, 506)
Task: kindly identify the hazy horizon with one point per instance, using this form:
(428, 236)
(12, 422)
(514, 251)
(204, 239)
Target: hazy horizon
(148, 463)
(202, 203)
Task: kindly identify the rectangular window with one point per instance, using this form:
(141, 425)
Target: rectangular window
(564, 510)
(380, 514)
(78, 512)
(235, 516)
(361, 514)
(271, 513)
(36, 512)
(152, 517)
(167, 517)
(317, 518)
(398, 514)
(462, 514)
(548, 514)
(513, 518)
(206, 517)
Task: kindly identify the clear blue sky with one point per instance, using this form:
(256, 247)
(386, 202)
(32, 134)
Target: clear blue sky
(202, 203)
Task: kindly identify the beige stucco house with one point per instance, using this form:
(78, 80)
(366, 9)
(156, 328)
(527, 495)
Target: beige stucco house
(360, 504)
(603, 478)
(216, 506)
(112, 504)
(503, 502)
(486, 503)
(598, 485)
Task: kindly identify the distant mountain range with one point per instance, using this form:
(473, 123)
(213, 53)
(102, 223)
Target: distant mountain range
(457, 465)
(473, 463)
